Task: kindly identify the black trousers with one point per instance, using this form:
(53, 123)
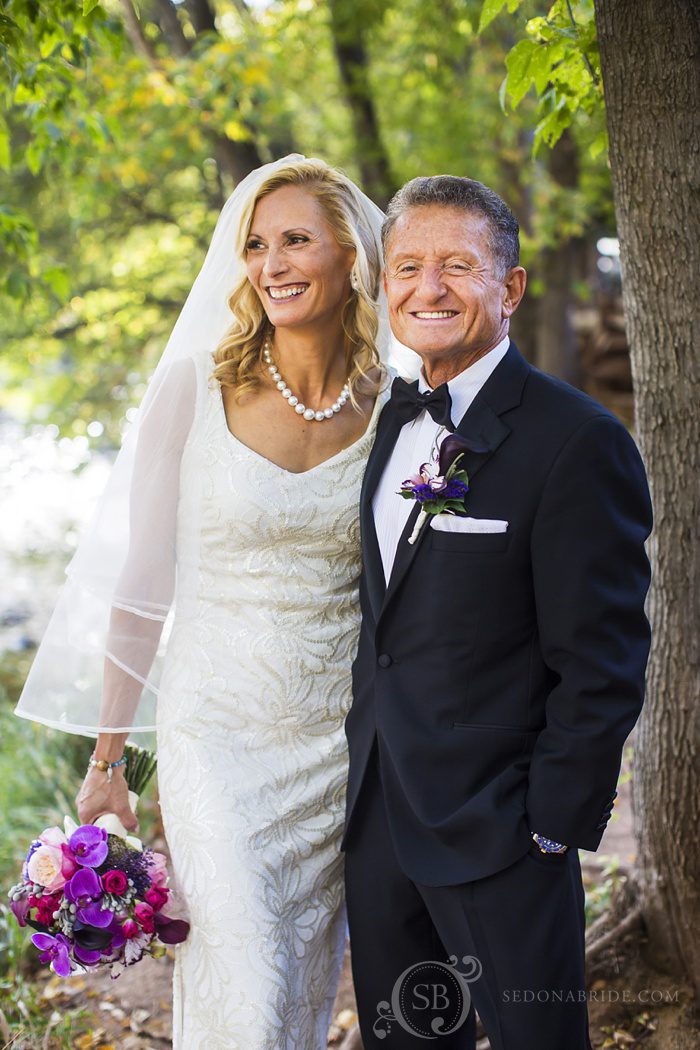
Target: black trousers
(525, 925)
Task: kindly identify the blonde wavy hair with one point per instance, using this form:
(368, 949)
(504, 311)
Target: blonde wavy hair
(238, 355)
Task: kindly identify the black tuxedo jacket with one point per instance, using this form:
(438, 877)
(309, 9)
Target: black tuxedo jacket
(501, 673)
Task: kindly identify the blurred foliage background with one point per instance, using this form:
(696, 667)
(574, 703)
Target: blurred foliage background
(126, 124)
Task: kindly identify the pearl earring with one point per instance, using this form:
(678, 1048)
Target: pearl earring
(354, 281)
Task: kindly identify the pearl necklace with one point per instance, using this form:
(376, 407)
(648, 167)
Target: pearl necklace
(302, 410)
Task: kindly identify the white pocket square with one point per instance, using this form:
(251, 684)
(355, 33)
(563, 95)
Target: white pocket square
(454, 523)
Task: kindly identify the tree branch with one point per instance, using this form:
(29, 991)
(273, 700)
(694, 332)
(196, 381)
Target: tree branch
(591, 70)
(172, 29)
(134, 30)
(203, 17)
(351, 54)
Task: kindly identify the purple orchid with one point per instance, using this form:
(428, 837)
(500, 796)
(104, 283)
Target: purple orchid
(55, 951)
(85, 956)
(85, 891)
(89, 845)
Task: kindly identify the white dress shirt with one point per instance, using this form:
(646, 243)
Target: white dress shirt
(413, 447)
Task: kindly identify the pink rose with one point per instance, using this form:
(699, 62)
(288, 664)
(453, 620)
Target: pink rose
(115, 881)
(144, 917)
(158, 869)
(129, 929)
(157, 896)
(56, 854)
(45, 868)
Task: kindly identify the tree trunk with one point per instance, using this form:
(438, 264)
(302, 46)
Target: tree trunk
(351, 54)
(557, 267)
(650, 54)
(235, 159)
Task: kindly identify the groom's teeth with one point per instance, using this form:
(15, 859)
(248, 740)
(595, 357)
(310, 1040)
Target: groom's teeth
(432, 314)
(286, 293)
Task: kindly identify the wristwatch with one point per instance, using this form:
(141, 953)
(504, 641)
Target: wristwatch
(548, 845)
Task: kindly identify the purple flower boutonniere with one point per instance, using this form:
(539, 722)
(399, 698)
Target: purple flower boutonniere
(440, 487)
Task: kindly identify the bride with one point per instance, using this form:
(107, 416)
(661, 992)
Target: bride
(218, 587)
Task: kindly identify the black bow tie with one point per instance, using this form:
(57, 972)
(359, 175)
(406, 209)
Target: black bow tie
(408, 402)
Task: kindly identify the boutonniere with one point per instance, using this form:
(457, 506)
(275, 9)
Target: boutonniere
(440, 486)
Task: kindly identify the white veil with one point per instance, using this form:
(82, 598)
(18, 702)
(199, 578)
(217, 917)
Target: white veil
(99, 665)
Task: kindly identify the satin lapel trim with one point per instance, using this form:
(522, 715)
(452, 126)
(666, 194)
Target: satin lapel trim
(388, 429)
(482, 426)
(405, 553)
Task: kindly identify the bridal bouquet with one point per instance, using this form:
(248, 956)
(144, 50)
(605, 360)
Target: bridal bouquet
(95, 895)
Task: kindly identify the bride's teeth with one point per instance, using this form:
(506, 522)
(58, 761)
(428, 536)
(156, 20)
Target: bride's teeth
(286, 293)
(429, 316)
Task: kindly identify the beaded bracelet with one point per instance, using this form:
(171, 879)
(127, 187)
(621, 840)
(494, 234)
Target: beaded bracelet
(104, 766)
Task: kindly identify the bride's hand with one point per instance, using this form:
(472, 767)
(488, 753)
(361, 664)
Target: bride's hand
(99, 795)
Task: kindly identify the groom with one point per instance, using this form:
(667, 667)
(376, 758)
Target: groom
(501, 659)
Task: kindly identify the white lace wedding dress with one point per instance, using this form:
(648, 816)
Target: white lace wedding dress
(252, 784)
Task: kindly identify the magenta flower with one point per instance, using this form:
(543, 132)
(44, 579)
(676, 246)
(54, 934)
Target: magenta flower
(143, 914)
(55, 951)
(115, 882)
(130, 929)
(85, 891)
(157, 896)
(45, 907)
(89, 845)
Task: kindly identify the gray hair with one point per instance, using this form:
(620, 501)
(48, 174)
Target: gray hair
(452, 191)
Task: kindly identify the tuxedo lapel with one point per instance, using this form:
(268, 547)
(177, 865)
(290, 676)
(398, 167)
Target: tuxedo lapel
(483, 425)
(388, 429)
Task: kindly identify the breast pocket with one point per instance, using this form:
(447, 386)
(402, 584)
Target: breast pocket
(470, 542)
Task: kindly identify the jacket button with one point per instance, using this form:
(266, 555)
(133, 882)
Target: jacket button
(385, 660)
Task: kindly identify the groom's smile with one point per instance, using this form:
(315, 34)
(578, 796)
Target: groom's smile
(449, 299)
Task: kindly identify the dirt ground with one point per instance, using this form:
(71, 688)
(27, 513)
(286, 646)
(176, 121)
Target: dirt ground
(631, 1005)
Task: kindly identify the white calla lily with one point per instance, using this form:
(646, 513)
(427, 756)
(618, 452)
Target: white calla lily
(113, 825)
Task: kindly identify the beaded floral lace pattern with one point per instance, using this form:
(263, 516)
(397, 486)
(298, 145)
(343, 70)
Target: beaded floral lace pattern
(252, 783)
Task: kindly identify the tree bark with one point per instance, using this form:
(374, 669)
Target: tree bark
(558, 266)
(650, 54)
(351, 54)
(202, 15)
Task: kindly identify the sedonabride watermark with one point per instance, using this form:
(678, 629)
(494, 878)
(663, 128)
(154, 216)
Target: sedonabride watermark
(429, 999)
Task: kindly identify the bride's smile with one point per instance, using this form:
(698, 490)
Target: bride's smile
(300, 273)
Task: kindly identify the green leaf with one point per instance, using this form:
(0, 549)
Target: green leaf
(58, 281)
(89, 5)
(489, 11)
(502, 92)
(599, 144)
(5, 154)
(518, 64)
(17, 285)
(34, 157)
